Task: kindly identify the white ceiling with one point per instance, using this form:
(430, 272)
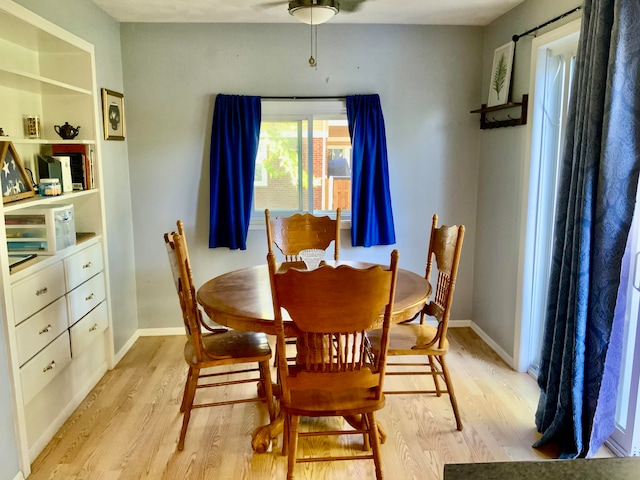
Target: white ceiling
(415, 12)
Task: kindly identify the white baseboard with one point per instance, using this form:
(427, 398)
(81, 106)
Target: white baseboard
(127, 346)
(486, 338)
(459, 323)
(494, 346)
(145, 332)
(160, 332)
(154, 332)
(19, 476)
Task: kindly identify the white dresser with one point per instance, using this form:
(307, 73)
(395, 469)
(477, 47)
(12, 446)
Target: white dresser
(61, 317)
(54, 309)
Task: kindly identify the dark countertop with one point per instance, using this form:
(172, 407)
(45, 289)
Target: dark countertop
(583, 469)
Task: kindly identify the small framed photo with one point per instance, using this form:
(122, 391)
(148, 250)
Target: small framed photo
(15, 181)
(113, 115)
(500, 81)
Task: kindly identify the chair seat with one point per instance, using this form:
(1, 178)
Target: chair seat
(408, 338)
(231, 347)
(322, 403)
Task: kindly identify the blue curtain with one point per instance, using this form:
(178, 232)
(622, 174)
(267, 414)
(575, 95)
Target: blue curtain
(599, 174)
(235, 133)
(371, 214)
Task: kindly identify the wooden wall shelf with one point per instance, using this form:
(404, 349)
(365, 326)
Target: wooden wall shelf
(486, 123)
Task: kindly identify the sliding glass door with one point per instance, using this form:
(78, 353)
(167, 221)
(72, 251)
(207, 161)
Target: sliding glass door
(553, 58)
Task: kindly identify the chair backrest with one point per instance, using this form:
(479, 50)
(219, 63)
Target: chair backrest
(302, 231)
(331, 309)
(445, 246)
(181, 268)
(171, 253)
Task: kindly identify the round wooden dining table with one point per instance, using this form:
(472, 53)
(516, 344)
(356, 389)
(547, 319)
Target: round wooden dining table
(241, 300)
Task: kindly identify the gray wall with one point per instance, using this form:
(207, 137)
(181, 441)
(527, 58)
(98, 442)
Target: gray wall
(428, 79)
(500, 178)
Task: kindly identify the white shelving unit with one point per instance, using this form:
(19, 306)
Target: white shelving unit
(55, 309)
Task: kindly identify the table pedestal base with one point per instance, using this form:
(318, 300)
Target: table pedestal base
(263, 436)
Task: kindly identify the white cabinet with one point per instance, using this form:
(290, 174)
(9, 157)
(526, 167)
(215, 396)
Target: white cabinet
(37, 291)
(85, 298)
(90, 327)
(50, 337)
(41, 329)
(55, 308)
(44, 367)
(82, 266)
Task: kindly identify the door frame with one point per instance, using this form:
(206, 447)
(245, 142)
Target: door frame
(523, 352)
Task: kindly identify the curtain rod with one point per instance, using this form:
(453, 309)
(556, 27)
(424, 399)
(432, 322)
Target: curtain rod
(515, 38)
(303, 98)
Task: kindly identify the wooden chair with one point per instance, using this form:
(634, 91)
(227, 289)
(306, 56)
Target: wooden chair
(421, 339)
(216, 348)
(209, 325)
(301, 231)
(336, 375)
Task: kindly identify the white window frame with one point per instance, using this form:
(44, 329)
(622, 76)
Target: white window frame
(293, 110)
(524, 323)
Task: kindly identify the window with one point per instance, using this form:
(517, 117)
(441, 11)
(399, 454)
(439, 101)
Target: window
(285, 179)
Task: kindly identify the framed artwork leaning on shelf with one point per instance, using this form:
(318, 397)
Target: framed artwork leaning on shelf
(500, 81)
(113, 115)
(14, 179)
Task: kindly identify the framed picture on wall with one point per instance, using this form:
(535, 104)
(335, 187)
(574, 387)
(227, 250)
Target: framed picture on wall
(500, 81)
(113, 115)
(16, 183)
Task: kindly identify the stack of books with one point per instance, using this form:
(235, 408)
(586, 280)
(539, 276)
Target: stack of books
(81, 162)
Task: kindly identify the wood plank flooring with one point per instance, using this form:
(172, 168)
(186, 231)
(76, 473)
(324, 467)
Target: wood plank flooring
(127, 428)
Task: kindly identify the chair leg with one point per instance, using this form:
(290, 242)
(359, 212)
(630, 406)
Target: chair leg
(192, 383)
(431, 363)
(293, 445)
(265, 376)
(375, 443)
(285, 436)
(184, 395)
(452, 397)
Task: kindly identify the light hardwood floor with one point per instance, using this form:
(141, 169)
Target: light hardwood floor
(128, 426)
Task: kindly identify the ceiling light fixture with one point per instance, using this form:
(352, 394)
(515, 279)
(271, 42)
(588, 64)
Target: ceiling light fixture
(314, 12)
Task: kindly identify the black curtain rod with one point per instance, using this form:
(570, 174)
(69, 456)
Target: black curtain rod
(303, 98)
(515, 38)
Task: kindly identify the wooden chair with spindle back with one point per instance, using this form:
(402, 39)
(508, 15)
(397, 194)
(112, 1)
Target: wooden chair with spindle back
(335, 375)
(302, 231)
(299, 232)
(215, 348)
(422, 339)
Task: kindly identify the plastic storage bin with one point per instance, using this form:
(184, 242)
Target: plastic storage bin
(41, 230)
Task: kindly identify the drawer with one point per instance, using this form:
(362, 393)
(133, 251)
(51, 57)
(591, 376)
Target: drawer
(37, 291)
(44, 367)
(85, 298)
(38, 331)
(88, 329)
(83, 265)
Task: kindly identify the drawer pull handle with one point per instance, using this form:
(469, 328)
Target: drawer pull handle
(95, 327)
(87, 265)
(42, 291)
(46, 329)
(51, 366)
(89, 297)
